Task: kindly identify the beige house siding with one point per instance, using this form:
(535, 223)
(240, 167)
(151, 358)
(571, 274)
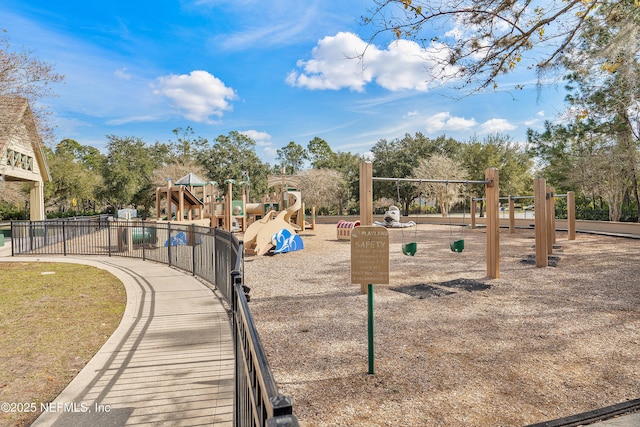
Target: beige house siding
(19, 160)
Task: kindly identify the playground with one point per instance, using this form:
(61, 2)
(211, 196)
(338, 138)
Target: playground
(452, 346)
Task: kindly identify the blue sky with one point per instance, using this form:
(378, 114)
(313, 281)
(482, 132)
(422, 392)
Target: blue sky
(275, 70)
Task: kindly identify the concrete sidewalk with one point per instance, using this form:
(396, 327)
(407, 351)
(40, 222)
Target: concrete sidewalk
(170, 361)
(629, 420)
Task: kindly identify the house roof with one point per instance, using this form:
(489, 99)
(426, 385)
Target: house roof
(13, 111)
(191, 180)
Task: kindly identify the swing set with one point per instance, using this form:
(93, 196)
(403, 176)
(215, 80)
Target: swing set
(457, 245)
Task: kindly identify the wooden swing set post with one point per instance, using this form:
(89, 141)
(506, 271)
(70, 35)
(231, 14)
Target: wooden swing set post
(551, 214)
(473, 213)
(571, 215)
(540, 203)
(366, 193)
(492, 190)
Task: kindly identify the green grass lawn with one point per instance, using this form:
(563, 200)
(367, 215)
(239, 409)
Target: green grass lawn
(53, 319)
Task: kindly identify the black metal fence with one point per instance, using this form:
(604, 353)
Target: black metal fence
(214, 255)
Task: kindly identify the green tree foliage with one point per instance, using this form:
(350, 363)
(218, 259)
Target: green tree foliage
(75, 176)
(128, 173)
(293, 157)
(400, 158)
(498, 150)
(233, 156)
(348, 165)
(604, 84)
(579, 157)
(187, 146)
(319, 153)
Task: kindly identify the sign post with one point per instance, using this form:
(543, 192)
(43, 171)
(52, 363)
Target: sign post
(369, 265)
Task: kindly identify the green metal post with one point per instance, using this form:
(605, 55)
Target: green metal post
(370, 325)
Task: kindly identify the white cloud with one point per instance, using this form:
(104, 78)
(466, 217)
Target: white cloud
(279, 23)
(496, 125)
(336, 64)
(122, 74)
(444, 121)
(536, 120)
(261, 138)
(133, 119)
(198, 95)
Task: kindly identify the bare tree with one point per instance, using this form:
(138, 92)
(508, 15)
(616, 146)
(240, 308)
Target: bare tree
(24, 75)
(321, 188)
(442, 168)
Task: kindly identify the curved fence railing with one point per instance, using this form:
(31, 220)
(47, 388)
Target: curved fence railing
(214, 255)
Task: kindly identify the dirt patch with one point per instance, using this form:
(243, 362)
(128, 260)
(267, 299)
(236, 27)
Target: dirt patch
(423, 291)
(552, 260)
(465, 285)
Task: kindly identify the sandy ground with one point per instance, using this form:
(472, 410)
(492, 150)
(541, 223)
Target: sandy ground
(536, 344)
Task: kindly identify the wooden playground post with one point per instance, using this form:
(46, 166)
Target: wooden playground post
(541, 222)
(493, 223)
(169, 203)
(313, 217)
(180, 213)
(571, 215)
(550, 216)
(366, 193)
(300, 217)
(228, 223)
(512, 215)
(553, 214)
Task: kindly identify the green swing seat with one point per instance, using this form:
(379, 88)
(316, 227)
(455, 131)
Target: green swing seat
(457, 246)
(410, 249)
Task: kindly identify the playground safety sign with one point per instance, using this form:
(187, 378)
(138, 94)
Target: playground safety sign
(370, 255)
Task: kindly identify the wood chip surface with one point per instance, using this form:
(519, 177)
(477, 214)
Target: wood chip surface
(538, 344)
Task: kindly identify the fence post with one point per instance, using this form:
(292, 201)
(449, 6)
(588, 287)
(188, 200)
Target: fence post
(193, 249)
(512, 215)
(233, 302)
(143, 242)
(169, 243)
(64, 239)
(109, 237)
